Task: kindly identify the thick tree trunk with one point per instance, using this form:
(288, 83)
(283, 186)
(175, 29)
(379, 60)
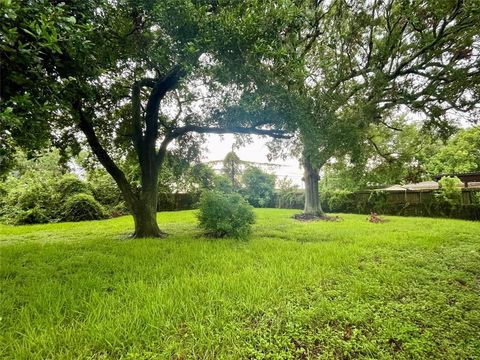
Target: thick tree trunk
(312, 199)
(145, 208)
(145, 216)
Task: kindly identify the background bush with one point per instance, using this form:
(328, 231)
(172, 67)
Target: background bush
(223, 215)
(259, 187)
(289, 196)
(30, 199)
(36, 197)
(107, 193)
(81, 207)
(69, 185)
(450, 192)
(336, 200)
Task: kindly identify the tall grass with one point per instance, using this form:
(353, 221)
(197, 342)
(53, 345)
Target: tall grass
(409, 288)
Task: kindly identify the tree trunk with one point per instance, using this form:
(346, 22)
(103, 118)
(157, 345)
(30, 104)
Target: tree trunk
(145, 215)
(312, 199)
(145, 208)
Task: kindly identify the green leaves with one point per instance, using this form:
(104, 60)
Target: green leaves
(461, 153)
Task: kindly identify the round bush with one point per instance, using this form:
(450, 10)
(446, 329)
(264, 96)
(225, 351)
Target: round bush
(82, 207)
(35, 215)
(105, 190)
(223, 215)
(70, 185)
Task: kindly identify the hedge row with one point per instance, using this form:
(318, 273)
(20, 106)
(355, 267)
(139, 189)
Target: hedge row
(382, 202)
(37, 198)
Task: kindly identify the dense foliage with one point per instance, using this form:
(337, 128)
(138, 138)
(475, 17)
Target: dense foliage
(461, 153)
(40, 190)
(40, 198)
(223, 215)
(81, 207)
(403, 155)
(450, 192)
(258, 187)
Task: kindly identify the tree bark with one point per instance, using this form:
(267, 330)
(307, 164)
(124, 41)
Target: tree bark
(312, 199)
(145, 216)
(145, 209)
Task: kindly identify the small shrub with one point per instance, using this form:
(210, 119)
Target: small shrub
(81, 207)
(223, 215)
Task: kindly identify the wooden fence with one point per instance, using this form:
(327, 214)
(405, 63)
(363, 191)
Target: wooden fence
(417, 196)
(409, 203)
(403, 202)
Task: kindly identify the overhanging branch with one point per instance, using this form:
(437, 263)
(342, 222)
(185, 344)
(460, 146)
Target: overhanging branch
(276, 134)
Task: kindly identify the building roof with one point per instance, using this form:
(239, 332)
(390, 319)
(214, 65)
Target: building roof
(424, 185)
(428, 185)
(467, 176)
(395, 188)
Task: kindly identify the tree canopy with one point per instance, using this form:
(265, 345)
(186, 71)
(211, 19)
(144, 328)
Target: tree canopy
(460, 154)
(105, 68)
(356, 63)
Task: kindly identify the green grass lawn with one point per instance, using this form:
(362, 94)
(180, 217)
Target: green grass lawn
(406, 289)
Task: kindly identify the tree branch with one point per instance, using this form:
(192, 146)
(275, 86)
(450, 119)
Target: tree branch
(86, 127)
(276, 134)
(159, 90)
(387, 157)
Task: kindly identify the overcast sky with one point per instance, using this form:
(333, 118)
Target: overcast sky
(218, 147)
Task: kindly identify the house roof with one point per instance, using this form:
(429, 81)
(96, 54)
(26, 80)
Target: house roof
(428, 185)
(424, 185)
(467, 176)
(395, 188)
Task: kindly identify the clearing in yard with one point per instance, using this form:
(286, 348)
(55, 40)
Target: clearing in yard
(408, 288)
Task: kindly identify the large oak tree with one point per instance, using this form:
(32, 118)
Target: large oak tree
(352, 64)
(134, 76)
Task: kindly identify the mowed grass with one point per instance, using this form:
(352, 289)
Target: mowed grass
(406, 289)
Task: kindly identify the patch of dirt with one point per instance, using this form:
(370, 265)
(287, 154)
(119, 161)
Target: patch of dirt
(396, 344)
(376, 219)
(348, 333)
(311, 217)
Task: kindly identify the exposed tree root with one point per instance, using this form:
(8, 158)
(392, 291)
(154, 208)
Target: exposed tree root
(158, 235)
